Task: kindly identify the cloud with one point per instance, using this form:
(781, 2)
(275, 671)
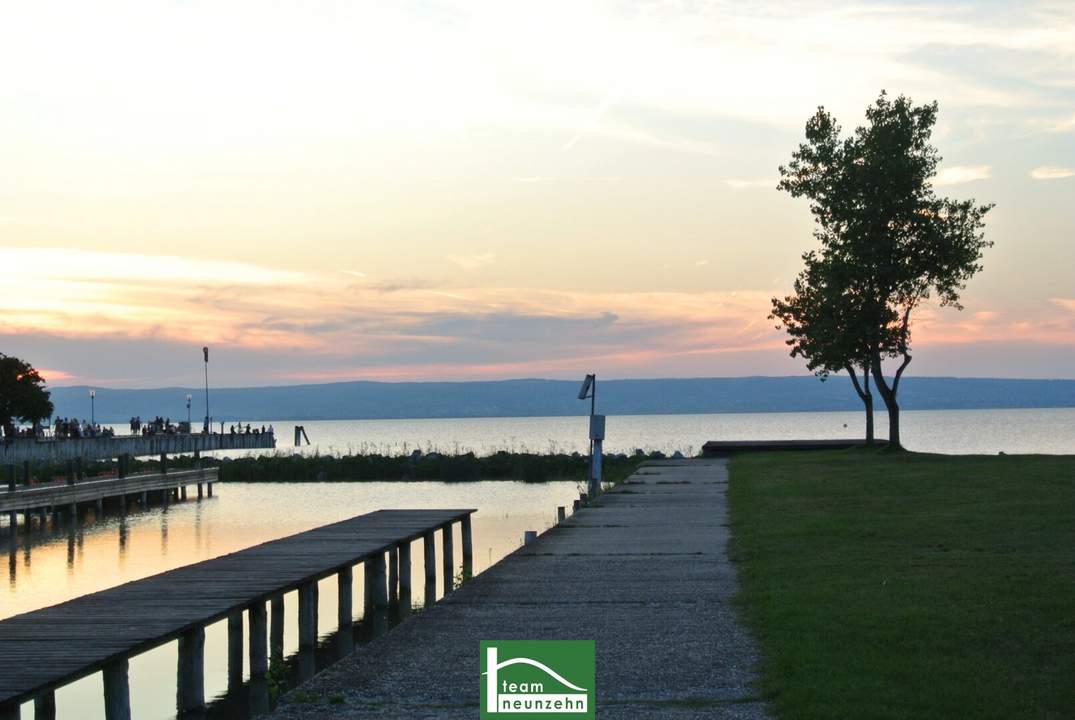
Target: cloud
(959, 174)
(743, 184)
(1051, 172)
(354, 273)
(473, 261)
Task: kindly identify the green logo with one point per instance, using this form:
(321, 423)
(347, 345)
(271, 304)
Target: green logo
(537, 678)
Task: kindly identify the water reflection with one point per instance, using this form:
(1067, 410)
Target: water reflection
(123, 543)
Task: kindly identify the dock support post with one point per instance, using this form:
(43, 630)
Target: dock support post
(13, 520)
(122, 463)
(276, 629)
(143, 499)
(468, 548)
(80, 470)
(259, 638)
(164, 463)
(405, 577)
(182, 492)
(448, 560)
(45, 706)
(70, 470)
(235, 650)
(99, 505)
(308, 616)
(393, 577)
(190, 682)
(10, 712)
(117, 691)
(430, 549)
(380, 586)
(367, 589)
(345, 611)
(72, 511)
(209, 489)
(12, 478)
(561, 515)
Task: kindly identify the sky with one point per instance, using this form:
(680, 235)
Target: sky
(326, 191)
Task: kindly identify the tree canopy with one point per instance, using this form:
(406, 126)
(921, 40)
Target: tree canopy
(22, 393)
(888, 242)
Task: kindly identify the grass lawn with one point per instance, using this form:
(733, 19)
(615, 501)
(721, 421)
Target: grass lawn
(902, 585)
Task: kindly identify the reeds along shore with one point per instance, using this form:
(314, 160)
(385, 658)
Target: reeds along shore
(465, 467)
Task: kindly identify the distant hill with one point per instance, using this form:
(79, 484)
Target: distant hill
(522, 398)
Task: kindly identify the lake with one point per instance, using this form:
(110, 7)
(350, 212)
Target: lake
(937, 431)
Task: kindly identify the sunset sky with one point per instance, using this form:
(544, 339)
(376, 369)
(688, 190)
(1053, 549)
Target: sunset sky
(479, 190)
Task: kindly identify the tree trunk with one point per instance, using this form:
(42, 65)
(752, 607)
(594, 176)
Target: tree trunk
(888, 395)
(863, 391)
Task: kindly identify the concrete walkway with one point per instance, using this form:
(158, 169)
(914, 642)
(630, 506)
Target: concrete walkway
(644, 573)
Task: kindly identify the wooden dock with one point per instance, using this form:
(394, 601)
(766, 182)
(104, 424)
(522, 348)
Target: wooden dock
(15, 451)
(60, 494)
(54, 646)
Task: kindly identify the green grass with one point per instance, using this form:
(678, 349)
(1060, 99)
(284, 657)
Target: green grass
(900, 585)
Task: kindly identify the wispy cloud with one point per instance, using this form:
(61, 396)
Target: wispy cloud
(959, 174)
(1051, 172)
(473, 261)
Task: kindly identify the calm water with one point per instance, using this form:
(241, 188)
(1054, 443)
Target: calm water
(939, 431)
(50, 565)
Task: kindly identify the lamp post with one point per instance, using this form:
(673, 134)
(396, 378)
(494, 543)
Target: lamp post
(205, 352)
(188, 410)
(597, 434)
(93, 395)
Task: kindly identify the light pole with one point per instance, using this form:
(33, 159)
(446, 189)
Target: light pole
(188, 411)
(597, 434)
(93, 394)
(205, 352)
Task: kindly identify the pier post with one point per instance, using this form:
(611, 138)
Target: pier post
(345, 610)
(164, 463)
(276, 629)
(122, 463)
(209, 489)
(10, 712)
(405, 577)
(143, 499)
(468, 548)
(560, 514)
(367, 589)
(70, 470)
(45, 706)
(235, 649)
(575, 506)
(72, 511)
(117, 691)
(190, 681)
(13, 521)
(182, 492)
(12, 478)
(308, 616)
(448, 559)
(393, 577)
(26, 473)
(430, 549)
(380, 586)
(80, 470)
(259, 638)
(99, 506)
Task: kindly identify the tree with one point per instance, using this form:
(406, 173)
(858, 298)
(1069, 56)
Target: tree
(22, 395)
(888, 243)
(820, 318)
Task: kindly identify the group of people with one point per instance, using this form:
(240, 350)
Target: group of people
(247, 430)
(64, 428)
(158, 426)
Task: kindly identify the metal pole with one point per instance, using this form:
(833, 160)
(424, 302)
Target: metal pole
(205, 351)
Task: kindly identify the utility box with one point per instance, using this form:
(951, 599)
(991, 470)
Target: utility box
(597, 427)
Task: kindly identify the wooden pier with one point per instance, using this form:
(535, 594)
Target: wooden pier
(19, 450)
(54, 646)
(718, 448)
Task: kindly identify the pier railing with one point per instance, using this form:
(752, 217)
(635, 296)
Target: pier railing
(100, 632)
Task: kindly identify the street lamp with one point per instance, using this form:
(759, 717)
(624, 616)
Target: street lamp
(93, 394)
(188, 411)
(205, 352)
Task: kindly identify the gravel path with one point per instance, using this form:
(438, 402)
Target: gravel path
(644, 573)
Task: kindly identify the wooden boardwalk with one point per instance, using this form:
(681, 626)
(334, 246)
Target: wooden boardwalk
(47, 648)
(60, 494)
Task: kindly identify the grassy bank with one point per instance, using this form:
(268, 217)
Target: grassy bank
(280, 467)
(899, 585)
